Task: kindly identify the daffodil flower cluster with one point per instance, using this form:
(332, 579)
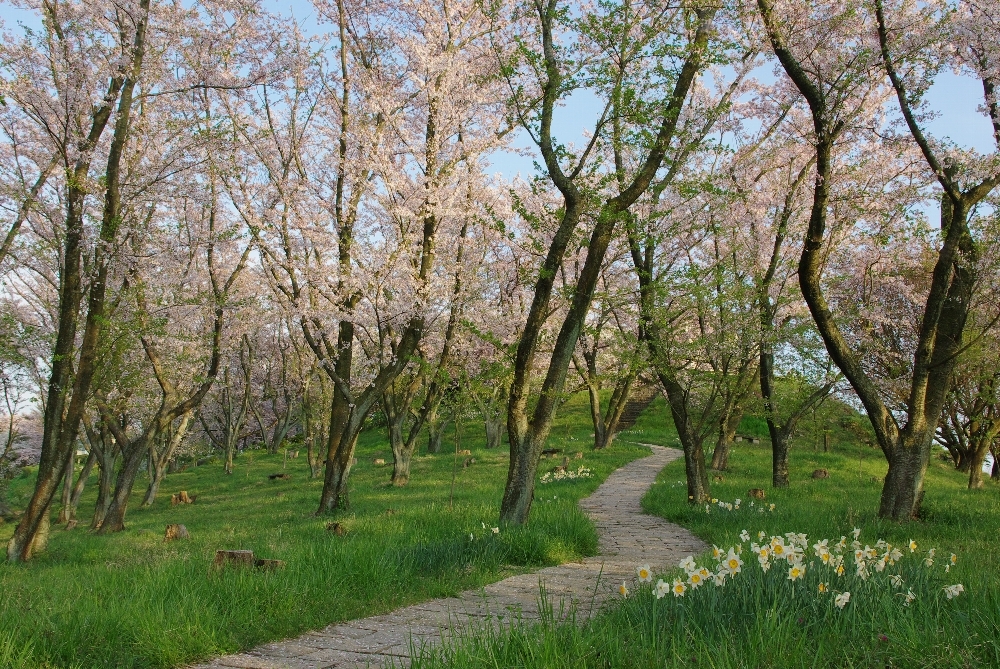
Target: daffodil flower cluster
(565, 475)
(735, 506)
(847, 563)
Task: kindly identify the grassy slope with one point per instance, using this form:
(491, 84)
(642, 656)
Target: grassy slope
(131, 600)
(763, 622)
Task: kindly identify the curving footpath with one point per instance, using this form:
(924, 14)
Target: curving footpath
(628, 538)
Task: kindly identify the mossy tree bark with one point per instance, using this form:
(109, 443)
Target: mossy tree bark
(905, 445)
(72, 367)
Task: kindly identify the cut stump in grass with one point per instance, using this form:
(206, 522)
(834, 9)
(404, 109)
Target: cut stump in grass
(243, 559)
(233, 559)
(176, 531)
(282, 477)
(336, 528)
(821, 474)
(756, 493)
(182, 498)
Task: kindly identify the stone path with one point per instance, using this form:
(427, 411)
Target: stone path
(628, 538)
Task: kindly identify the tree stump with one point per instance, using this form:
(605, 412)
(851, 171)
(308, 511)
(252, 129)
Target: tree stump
(283, 477)
(176, 531)
(336, 528)
(268, 565)
(465, 451)
(182, 498)
(821, 474)
(378, 461)
(233, 559)
(578, 455)
(756, 493)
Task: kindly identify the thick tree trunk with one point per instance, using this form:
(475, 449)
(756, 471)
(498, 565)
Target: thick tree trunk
(903, 489)
(780, 445)
(996, 464)
(519, 491)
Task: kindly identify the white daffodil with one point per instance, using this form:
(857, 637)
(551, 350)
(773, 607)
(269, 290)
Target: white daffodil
(952, 591)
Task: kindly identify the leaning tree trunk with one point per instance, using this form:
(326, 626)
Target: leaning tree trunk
(114, 519)
(161, 461)
(105, 481)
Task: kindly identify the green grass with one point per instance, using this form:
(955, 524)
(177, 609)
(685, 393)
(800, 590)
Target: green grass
(131, 600)
(765, 620)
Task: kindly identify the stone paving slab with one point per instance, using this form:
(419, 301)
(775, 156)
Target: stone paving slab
(628, 538)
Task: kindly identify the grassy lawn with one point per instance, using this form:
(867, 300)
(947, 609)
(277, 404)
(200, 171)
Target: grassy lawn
(132, 600)
(763, 619)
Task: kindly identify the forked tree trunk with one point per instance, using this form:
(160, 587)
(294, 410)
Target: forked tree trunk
(160, 460)
(698, 488)
(903, 489)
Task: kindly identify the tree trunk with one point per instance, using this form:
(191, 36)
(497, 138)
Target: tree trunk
(996, 464)
(728, 425)
(976, 466)
(435, 432)
(616, 408)
(520, 488)
(105, 481)
(494, 432)
(114, 519)
(596, 415)
(698, 487)
(163, 459)
(903, 489)
(402, 453)
(81, 483)
(67, 487)
(780, 444)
